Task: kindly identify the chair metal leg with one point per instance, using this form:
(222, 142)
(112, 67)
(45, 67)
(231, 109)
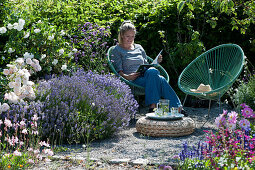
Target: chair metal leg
(184, 100)
(209, 109)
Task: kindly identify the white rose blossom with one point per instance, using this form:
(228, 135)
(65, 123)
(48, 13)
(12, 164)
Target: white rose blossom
(5, 107)
(62, 33)
(19, 27)
(29, 61)
(3, 30)
(21, 22)
(28, 55)
(43, 56)
(64, 67)
(61, 51)
(26, 35)
(37, 30)
(12, 97)
(51, 37)
(10, 26)
(10, 50)
(20, 61)
(6, 72)
(75, 50)
(15, 25)
(55, 61)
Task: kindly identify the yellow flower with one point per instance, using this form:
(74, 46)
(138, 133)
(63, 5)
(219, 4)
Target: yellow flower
(9, 166)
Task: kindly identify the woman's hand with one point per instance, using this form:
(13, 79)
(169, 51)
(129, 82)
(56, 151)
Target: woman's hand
(160, 58)
(131, 76)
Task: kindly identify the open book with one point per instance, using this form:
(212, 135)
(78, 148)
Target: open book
(142, 68)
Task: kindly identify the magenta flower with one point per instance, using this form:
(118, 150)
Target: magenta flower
(244, 105)
(244, 124)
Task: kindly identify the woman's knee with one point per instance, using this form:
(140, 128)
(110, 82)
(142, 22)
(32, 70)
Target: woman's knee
(152, 71)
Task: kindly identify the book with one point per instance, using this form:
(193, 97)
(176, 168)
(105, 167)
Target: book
(142, 68)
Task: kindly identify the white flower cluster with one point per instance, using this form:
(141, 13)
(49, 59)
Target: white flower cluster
(18, 76)
(17, 25)
(4, 107)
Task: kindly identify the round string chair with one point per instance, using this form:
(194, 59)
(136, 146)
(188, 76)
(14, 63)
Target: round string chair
(136, 89)
(218, 67)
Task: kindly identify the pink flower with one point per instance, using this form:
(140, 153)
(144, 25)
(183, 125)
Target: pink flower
(7, 123)
(36, 151)
(22, 124)
(231, 126)
(232, 117)
(17, 153)
(48, 152)
(220, 121)
(35, 118)
(248, 112)
(244, 124)
(35, 132)
(30, 149)
(43, 143)
(24, 131)
(30, 161)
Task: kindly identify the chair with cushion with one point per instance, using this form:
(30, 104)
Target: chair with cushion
(136, 89)
(212, 73)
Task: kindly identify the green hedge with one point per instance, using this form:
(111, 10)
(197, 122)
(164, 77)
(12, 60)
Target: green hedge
(184, 29)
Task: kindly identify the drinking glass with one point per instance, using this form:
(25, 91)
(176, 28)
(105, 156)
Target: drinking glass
(163, 106)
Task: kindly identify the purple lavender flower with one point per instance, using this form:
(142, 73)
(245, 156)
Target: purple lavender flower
(87, 102)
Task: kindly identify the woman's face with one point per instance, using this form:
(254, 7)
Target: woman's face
(128, 37)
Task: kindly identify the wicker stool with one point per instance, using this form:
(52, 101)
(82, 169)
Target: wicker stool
(162, 128)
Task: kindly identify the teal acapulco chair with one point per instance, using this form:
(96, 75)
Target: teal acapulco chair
(218, 67)
(136, 89)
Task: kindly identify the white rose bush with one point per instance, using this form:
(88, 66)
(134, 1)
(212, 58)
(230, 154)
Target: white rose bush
(44, 42)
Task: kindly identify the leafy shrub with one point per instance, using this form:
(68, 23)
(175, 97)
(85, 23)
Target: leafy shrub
(89, 43)
(84, 106)
(245, 93)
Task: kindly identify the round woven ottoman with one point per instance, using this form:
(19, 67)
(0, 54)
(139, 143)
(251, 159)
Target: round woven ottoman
(162, 128)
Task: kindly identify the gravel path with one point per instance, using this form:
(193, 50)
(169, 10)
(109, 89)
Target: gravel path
(129, 145)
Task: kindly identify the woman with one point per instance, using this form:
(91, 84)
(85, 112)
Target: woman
(128, 56)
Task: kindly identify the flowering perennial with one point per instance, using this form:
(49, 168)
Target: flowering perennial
(232, 146)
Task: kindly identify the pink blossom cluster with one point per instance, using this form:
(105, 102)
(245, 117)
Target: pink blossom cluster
(230, 120)
(18, 143)
(247, 112)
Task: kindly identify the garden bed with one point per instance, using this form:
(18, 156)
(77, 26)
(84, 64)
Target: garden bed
(131, 146)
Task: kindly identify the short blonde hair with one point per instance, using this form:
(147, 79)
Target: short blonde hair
(125, 26)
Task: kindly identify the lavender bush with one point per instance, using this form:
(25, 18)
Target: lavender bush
(84, 106)
(89, 45)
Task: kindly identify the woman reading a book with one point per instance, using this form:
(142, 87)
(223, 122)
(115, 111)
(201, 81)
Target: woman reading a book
(128, 56)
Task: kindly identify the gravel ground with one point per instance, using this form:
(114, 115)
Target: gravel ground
(129, 146)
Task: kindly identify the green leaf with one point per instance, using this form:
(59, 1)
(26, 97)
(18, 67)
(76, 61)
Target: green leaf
(180, 6)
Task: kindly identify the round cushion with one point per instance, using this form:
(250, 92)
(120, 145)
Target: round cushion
(162, 128)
